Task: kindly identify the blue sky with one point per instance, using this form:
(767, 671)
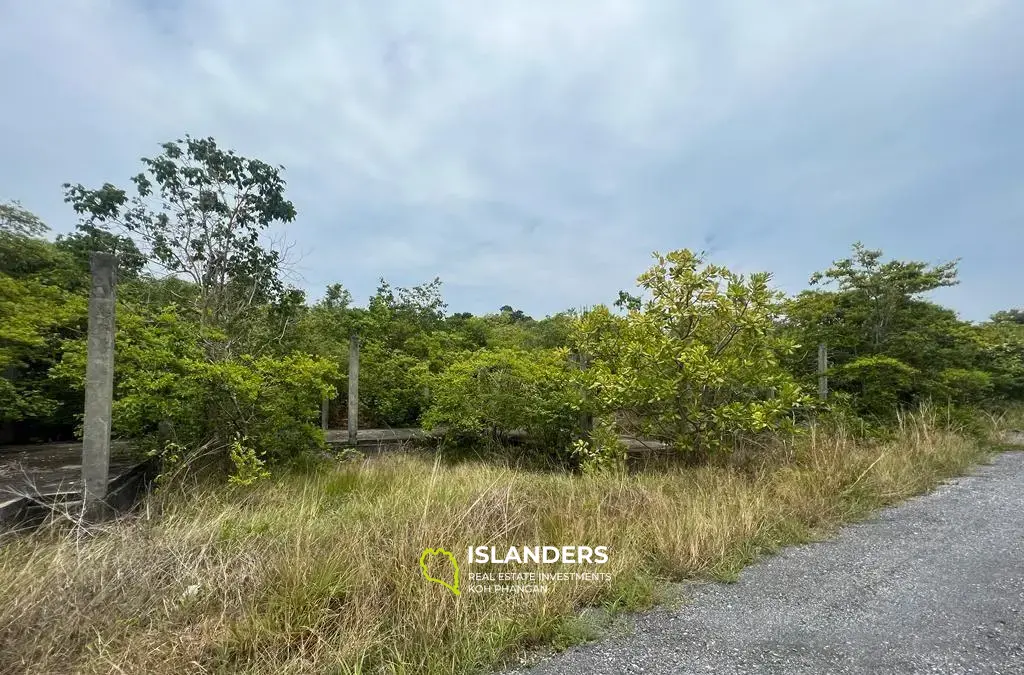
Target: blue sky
(536, 153)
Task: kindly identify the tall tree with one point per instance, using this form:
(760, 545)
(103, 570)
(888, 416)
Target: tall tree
(201, 212)
(887, 344)
(884, 289)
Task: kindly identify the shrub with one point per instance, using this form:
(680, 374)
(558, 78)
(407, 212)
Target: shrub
(166, 391)
(961, 386)
(695, 362)
(391, 386)
(497, 392)
(879, 385)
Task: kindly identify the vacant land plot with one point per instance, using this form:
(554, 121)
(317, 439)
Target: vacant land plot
(318, 571)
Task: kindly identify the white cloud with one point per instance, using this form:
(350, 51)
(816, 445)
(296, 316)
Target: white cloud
(534, 150)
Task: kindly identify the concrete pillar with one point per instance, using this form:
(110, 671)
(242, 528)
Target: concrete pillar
(325, 413)
(353, 390)
(99, 383)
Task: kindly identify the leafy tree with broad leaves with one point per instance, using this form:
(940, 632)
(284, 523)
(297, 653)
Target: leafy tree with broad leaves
(494, 393)
(200, 212)
(883, 289)
(86, 239)
(888, 345)
(1002, 344)
(38, 309)
(694, 362)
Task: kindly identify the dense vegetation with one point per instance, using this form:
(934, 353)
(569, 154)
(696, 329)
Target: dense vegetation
(315, 569)
(216, 353)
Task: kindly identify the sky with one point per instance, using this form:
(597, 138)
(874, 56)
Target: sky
(536, 154)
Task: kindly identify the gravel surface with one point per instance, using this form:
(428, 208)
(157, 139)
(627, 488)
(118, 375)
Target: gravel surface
(935, 585)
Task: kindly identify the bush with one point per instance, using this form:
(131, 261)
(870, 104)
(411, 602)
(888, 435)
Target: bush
(167, 394)
(392, 386)
(498, 392)
(879, 385)
(961, 386)
(696, 363)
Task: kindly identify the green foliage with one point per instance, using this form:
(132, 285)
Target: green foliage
(495, 393)
(165, 386)
(888, 347)
(36, 316)
(880, 289)
(603, 451)
(249, 468)
(1009, 316)
(20, 222)
(36, 313)
(962, 386)
(878, 384)
(1002, 347)
(220, 355)
(697, 364)
(199, 211)
(79, 245)
(391, 386)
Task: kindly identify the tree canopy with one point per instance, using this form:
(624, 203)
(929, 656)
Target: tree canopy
(216, 352)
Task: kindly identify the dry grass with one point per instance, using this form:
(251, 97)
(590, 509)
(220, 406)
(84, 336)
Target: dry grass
(318, 572)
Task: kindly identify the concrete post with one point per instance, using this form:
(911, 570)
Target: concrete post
(822, 369)
(353, 389)
(99, 383)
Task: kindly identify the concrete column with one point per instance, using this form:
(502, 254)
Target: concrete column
(325, 414)
(353, 390)
(99, 383)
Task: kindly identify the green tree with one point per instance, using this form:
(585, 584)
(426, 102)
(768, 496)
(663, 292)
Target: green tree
(19, 221)
(167, 390)
(39, 308)
(201, 212)
(882, 290)
(888, 346)
(1009, 316)
(495, 393)
(79, 245)
(695, 362)
(1002, 346)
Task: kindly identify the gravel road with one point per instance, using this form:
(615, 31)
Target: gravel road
(935, 585)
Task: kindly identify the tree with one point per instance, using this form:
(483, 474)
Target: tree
(695, 362)
(199, 212)
(888, 346)
(38, 309)
(1009, 316)
(883, 289)
(89, 238)
(513, 315)
(1002, 345)
(19, 221)
(494, 393)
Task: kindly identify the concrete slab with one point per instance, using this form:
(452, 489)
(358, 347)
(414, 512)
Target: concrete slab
(34, 476)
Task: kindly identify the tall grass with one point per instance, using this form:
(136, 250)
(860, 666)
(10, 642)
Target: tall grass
(318, 572)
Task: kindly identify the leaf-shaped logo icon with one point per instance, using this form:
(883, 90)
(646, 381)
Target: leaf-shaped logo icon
(424, 567)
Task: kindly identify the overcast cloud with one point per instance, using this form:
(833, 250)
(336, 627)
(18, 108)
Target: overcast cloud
(536, 153)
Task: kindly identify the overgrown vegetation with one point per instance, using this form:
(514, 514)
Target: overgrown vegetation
(316, 572)
(282, 563)
(213, 343)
